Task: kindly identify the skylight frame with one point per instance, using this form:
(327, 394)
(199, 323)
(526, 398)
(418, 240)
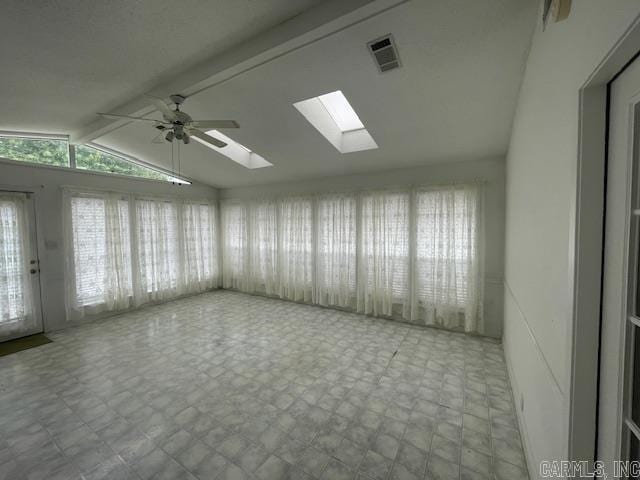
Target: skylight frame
(346, 135)
(236, 151)
(341, 111)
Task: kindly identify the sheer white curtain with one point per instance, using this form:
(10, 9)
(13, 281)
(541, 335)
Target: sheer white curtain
(124, 251)
(157, 250)
(263, 247)
(16, 299)
(235, 241)
(384, 253)
(448, 264)
(336, 250)
(415, 253)
(200, 260)
(98, 253)
(296, 249)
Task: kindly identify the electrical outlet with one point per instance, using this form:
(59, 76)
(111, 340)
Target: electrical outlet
(521, 402)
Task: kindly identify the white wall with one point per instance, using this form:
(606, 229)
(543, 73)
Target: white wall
(46, 182)
(491, 170)
(540, 192)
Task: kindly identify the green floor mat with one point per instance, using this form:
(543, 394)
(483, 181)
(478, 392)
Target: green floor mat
(24, 343)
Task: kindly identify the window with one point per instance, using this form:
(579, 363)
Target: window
(90, 247)
(264, 246)
(296, 254)
(15, 294)
(336, 249)
(176, 250)
(410, 253)
(200, 247)
(48, 150)
(445, 245)
(385, 248)
(334, 117)
(234, 244)
(235, 151)
(101, 251)
(45, 151)
(90, 158)
(158, 247)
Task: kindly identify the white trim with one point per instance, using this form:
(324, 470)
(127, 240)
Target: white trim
(534, 341)
(633, 427)
(8, 161)
(326, 19)
(71, 148)
(134, 160)
(585, 248)
(37, 136)
(81, 190)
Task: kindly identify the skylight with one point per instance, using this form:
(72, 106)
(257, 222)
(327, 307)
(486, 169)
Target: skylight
(236, 151)
(334, 117)
(341, 111)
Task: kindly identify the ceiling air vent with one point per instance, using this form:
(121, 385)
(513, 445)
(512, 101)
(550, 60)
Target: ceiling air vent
(384, 53)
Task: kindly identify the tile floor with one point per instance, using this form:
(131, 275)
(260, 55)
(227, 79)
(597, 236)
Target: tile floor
(230, 386)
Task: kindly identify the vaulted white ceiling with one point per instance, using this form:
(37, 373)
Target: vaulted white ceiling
(64, 60)
(452, 99)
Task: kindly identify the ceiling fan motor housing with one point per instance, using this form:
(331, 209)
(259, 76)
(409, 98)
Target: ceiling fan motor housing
(177, 98)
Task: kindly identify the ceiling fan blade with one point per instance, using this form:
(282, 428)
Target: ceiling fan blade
(163, 107)
(128, 117)
(159, 138)
(215, 124)
(194, 132)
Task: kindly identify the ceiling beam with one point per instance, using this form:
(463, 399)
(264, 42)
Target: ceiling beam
(315, 24)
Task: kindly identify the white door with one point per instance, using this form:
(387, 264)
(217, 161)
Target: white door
(20, 313)
(619, 401)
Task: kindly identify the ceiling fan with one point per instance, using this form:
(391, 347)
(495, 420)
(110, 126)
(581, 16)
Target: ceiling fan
(177, 125)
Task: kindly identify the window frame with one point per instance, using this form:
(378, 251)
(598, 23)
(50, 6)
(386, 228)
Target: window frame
(37, 136)
(461, 256)
(181, 180)
(101, 196)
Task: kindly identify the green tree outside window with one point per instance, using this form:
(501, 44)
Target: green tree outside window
(52, 151)
(35, 150)
(89, 158)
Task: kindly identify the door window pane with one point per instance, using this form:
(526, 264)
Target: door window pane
(634, 447)
(635, 402)
(14, 295)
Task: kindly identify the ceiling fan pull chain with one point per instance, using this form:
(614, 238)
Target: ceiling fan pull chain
(179, 161)
(173, 160)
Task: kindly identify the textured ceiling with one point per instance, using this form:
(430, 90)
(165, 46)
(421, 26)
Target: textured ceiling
(453, 99)
(65, 60)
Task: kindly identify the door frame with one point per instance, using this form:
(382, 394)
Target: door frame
(586, 247)
(38, 245)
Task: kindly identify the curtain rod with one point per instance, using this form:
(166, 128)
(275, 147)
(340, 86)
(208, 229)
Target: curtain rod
(135, 195)
(387, 188)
